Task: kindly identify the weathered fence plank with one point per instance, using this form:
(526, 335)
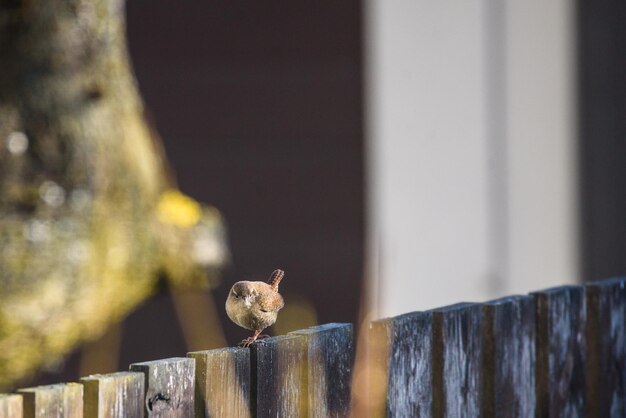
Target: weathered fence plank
(279, 373)
(169, 386)
(11, 406)
(115, 395)
(509, 358)
(330, 358)
(457, 360)
(58, 401)
(222, 383)
(606, 349)
(407, 364)
(561, 352)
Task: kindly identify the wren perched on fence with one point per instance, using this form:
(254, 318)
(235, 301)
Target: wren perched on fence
(255, 305)
(557, 352)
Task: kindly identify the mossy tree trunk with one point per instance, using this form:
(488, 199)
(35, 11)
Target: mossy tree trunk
(88, 217)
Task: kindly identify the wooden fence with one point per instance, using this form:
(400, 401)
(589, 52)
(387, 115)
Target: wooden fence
(555, 353)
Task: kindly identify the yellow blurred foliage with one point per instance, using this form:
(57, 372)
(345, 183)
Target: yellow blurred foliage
(178, 209)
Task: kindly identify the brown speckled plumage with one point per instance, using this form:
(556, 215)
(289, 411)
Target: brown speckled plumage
(255, 305)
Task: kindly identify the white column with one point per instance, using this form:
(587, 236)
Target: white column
(542, 145)
(427, 152)
(439, 232)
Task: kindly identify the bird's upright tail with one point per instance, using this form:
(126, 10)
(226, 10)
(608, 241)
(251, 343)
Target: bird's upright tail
(275, 279)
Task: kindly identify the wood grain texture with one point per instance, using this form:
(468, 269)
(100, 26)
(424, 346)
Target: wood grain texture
(222, 383)
(408, 364)
(508, 389)
(457, 360)
(169, 386)
(279, 377)
(330, 358)
(561, 352)
(58, 401)
(606, 349)
(115, 395)
(11, 406)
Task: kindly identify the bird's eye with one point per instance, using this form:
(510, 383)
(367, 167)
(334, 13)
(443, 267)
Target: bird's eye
(236, 295)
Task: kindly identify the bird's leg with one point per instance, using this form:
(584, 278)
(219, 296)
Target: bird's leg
(248, 341)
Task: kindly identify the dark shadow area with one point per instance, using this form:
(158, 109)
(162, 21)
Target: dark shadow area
(602, 124)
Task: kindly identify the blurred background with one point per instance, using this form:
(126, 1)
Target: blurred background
(404, 154)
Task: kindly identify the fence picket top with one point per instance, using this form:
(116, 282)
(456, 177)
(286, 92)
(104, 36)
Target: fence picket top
(222, 382)
(606, 348)
(561, 351)
(457, 360)
(321, 328)
(279, 372)
(64, 400)
(114, 395)
(402, 353)
(557, 290)
(11, 406)
(506, 300)
(509, 357)
(409, 316)
(113, 377)
(330, 360)
(452, 308)
(619, 282)
(169, 386)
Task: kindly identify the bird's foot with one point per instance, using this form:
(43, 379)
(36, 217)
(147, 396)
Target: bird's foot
(251, 340)
(248, 342)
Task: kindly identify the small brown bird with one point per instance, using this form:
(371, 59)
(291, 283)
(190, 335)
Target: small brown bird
(255, 305)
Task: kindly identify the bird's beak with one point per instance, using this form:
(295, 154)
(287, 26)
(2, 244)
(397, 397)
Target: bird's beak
(247, 300)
